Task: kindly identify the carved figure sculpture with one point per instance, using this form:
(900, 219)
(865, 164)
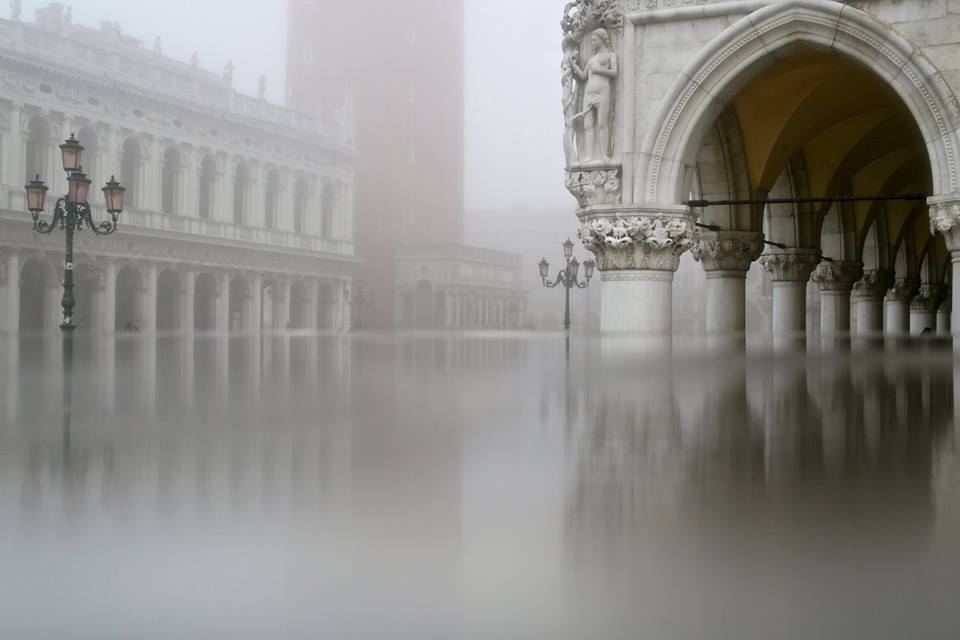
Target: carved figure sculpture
(15, 8)
(195, 59)
(228, 72)
(569, 96)
(158, 46)
(262, 87)
(598, 76)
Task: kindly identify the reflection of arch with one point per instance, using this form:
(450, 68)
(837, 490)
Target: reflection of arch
(36, 279)
(131, 159)
(129, 304)
(326, 299)
(761, 39)
(170, 179)
(205, 303)
(239, 304)
(241, 190)
(169, 292)
(271, 197)
(299, 302)
(424, 304)
(37, 147)
(206, 187)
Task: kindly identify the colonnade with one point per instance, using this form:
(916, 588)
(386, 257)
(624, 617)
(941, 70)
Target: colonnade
(459, 308)
(116, 295)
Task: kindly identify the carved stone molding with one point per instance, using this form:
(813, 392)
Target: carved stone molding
(792, 265)
(929, 297)
(836, 275)
(945, 219)
(874, 284)
(728, 252)
(903, 290)
(646, 242)
(595, 185)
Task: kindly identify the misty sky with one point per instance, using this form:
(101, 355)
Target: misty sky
(514, 125)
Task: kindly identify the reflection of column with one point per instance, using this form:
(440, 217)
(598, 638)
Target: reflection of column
(148, 363)
(256, 304)
(9, 291)
(108, 302)
(637, 255)
(107, 369)
(345, 310)
(223, 304)
(923, 308)
(868, 295)
(943, 317)
(835, 281)
(312, 307)
(189, 300)
(726, 258)
(790, 270)
(10, 383)
(284, 306)
(149, 319)
(186, 371)
(897, 305)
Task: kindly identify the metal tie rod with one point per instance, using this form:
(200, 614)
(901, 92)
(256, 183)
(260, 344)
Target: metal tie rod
(700, 204)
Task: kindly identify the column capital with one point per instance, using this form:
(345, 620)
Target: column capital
(928, 298)
(727, 252)
(945, 219)
(791, 265)
(837, 275)
(903, 290)
(633, 240)
(874, 284)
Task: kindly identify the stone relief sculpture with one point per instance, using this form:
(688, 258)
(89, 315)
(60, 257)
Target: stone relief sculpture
(569, 97)
(598, 77)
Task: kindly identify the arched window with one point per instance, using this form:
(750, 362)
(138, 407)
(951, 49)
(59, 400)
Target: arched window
(241, 187)
(208, 177)
(37, 141)
(271, 194)
(326, 209)
(300, 206)
(130, 171)
(170, 189)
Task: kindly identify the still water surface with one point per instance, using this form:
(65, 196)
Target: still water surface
(440, 486)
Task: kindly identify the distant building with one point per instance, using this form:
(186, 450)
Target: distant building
(398, 68)
(458, 287)
(239, 213)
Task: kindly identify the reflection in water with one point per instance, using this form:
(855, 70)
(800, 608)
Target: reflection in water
(472, 486)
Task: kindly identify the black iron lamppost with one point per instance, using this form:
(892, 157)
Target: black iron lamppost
(568, 277)
(71, 214)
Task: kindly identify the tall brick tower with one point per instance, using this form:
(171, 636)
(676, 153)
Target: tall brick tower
(402, 62)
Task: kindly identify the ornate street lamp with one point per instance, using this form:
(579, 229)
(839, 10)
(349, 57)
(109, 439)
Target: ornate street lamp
(569, 277)
(71, 214)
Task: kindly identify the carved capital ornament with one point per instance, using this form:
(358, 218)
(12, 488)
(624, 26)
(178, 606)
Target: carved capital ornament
(653, 243)
(833, 275)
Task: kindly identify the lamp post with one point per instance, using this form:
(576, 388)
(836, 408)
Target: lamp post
(72, 214)
(569, 277)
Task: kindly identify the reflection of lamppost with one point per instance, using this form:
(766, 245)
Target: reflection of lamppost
(71, 214)
(568, 277)
(358, 301)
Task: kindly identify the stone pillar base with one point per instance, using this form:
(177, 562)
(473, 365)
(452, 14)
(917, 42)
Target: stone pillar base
(638, 301)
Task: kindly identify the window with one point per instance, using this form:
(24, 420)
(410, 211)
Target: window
(170, 187)
(300, 206)
(241, 189)
(208, 177)
(271, 193)
(130, 171)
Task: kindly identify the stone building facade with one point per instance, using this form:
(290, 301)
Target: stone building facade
(459, 287)
(820, 105)
(238, 212)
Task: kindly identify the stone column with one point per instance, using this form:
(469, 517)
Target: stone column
(790, 270)
(726, 258)
(223, 304)
(897, 307)
(923, 308)
(189, 300)
(148, 321)
(637, 251)
(9, 291)
(943, 316)
(52, 305)
(945, 219)
(868, 295)
(108, 302)
(284, 306)
(835, 281)
(256, 303)
(14, 173)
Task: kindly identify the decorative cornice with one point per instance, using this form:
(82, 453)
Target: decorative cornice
(593, 186)
(837, 276)
(792, 265)
(874, 284)
(646, 242)
(728, 252)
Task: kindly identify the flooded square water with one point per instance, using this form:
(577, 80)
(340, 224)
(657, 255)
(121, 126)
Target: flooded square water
(476, 486)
